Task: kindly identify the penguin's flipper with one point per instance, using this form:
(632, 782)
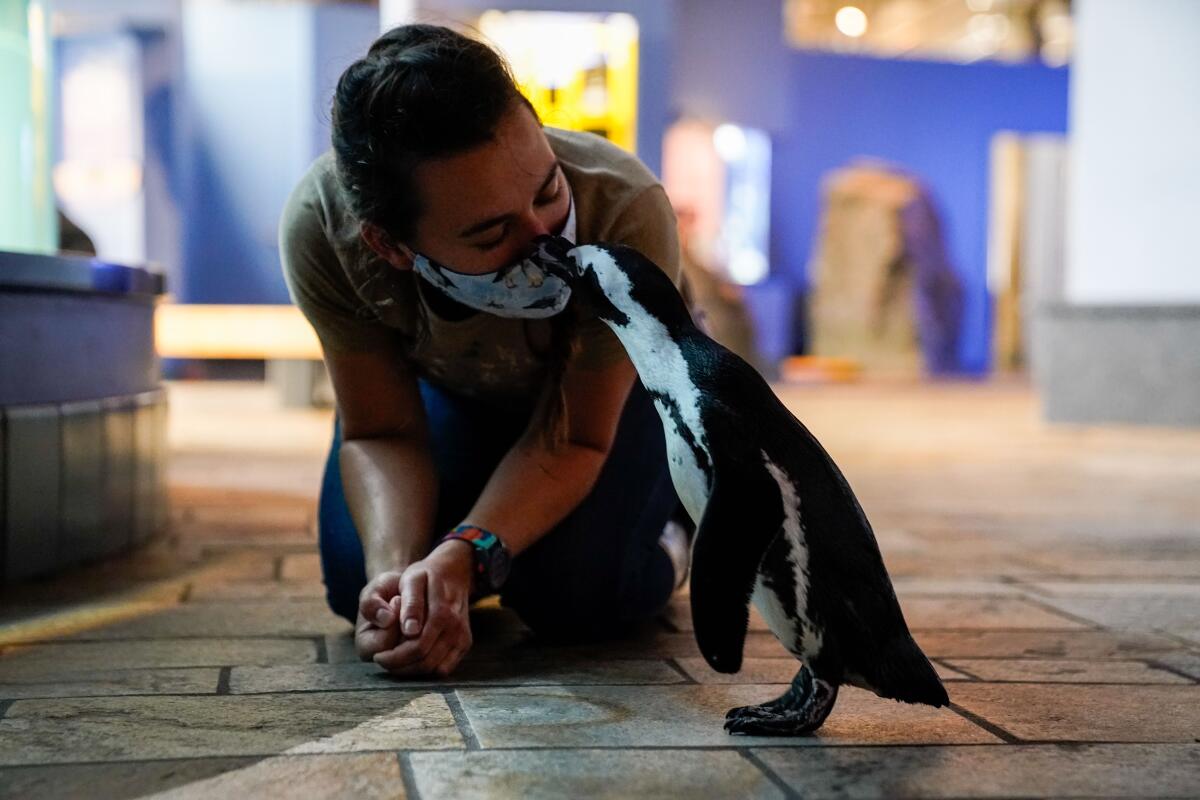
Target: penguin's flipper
(743, 516)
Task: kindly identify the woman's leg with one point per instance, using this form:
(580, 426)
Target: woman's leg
(601, 571)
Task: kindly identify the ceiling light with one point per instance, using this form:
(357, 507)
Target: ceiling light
(851, 21)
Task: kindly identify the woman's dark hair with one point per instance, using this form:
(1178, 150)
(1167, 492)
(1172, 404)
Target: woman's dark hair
(424, 92)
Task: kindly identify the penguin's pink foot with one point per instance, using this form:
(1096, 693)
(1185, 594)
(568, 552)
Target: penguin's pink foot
(797, 712)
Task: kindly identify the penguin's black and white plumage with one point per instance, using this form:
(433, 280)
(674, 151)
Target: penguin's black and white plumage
(777, 523)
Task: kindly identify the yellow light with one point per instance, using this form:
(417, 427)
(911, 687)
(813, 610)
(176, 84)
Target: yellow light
(851, 21)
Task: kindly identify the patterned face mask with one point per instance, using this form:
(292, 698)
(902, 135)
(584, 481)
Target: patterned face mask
(522, 289)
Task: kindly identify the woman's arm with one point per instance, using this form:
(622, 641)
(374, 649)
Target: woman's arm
(389, 480)
(387, 470)
(533, 488)
(530, 491)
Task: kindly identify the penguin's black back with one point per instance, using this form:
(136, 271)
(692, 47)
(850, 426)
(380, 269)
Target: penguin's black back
(850, 594)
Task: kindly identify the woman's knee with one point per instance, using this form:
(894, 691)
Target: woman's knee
(342, 603)
(582, 610)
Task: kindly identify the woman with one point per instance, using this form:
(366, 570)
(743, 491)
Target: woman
(519, 434)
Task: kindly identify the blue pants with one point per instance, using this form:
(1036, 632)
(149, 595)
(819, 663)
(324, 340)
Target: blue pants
(596, 574)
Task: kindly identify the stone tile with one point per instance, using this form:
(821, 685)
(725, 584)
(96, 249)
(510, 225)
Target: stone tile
(1187, 662)
(339, 648)
(25, 623)
(269, 546)
(260, 619)
(553, 774)
(653, 645)
(1133, 612)
(960, 565)
(1040, 644)
(368, 675)
(1064, 671)
(69, 658)
(235, 567)
(1009, 613)
(689, 716)
(363, 776)
(109, 781)
(1012, 771)
(255, 511)
(933, 587)
(140, 728)
(301, 567)
(98, 682)
(1084, 566)
(770, 670)
(238, 591)
(1115, 588)
(1059, 712)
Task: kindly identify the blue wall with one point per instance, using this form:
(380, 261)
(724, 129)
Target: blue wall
(934, 119)
(260, 77)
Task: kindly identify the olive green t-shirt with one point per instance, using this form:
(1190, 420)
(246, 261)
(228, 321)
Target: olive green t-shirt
(357, 302)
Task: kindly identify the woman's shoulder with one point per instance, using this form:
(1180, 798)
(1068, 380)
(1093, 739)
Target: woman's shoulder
(317, 203)
(588, 158)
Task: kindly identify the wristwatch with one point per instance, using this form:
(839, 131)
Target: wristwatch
(491, 558)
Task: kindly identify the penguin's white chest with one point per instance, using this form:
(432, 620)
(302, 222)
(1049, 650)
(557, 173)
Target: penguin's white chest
(787, 616)
(691, 482)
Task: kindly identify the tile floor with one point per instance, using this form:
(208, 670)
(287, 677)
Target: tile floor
(1052, 573)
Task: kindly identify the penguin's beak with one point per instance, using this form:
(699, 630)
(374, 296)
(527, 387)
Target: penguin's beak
(553, 255)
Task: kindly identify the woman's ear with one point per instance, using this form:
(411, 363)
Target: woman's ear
(385, 247)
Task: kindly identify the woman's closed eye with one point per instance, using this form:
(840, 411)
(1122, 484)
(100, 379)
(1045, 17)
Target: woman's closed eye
(544, 200)
(492, 245)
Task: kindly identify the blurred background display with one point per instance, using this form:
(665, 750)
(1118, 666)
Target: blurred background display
(580, 71)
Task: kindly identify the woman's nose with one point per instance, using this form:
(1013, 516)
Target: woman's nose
(536, 226)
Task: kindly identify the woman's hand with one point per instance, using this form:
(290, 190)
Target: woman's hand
(376, 629)
(434, 631)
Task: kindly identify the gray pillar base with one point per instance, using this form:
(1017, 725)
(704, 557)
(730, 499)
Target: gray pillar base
(1118, 364)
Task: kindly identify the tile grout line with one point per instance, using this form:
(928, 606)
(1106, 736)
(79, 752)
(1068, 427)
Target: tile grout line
(990, 727)
(767, 772)
(946, 665)
(674, 664)
(1038, 602)
(1038, 743)
(501, 687)
(1153, 664)
(407, 777)
(223, 680)
(461, 721)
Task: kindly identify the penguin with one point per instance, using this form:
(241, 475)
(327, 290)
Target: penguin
(776, 521)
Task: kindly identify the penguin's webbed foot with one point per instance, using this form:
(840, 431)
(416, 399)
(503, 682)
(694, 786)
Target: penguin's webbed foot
(797, 712)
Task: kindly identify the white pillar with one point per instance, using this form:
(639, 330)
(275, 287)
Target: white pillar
(396, 12)
(1133, 232)
(1121, 347)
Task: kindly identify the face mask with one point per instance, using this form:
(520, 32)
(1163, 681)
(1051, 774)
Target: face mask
(522, 289)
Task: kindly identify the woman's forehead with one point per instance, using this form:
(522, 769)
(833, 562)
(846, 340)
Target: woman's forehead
(499, 177)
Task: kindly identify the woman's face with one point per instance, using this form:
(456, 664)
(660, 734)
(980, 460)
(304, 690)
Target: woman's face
(483, 209)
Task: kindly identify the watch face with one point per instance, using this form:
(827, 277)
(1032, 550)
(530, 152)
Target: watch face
(498, 566)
